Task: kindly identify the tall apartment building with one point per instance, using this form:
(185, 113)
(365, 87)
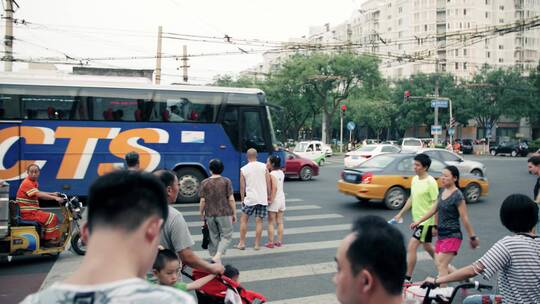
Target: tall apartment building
(412, 36)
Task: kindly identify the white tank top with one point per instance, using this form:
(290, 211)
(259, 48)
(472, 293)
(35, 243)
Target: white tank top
(255, 177)
(280, 195)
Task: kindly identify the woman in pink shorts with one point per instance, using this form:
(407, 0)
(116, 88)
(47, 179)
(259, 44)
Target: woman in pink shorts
(450, 207)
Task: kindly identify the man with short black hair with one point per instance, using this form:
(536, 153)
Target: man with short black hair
(125, 213)
(175, 233)
(424, 193)
(132, 161)
(533, 164)
(371, 263)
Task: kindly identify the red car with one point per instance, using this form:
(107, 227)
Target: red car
(302, 168)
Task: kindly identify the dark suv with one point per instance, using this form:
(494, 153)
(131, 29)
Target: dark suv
(467, 146)
(512, 148)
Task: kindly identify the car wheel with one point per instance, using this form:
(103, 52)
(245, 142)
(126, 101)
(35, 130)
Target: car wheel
(472, 193)
(306, 173)
(477, 172)
(189, 180)
(321, 162)
(493, 152)
(395, 198)
(514, 153)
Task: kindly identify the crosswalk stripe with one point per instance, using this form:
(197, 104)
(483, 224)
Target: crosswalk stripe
(328, 298)
(290, 208)
(289, 200)
(297, 218)
(293, 247)
(293, 231)
(287, 272)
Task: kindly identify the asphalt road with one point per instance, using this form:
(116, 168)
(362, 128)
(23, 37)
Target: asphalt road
(317, 219)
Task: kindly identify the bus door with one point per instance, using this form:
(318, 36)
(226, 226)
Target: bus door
(11, 165)
(255, 133)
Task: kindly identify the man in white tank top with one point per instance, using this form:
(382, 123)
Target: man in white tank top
(255, 194)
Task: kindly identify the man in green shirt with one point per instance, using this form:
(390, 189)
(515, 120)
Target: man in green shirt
(424, 192)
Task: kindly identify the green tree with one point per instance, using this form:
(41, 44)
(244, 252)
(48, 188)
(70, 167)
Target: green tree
(332, 77)
(239, 82)
(376, 114)
(418, 111)
(494, 93)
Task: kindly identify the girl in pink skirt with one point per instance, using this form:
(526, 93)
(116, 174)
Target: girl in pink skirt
(448, 210)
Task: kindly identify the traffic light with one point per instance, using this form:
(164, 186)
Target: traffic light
(406, 95)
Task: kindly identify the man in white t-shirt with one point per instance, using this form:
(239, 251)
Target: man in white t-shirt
(126, 210)
(255, 193)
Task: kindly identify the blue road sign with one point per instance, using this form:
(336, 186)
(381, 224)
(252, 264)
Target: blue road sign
(436, 130)
(439, 103)
(351, 125)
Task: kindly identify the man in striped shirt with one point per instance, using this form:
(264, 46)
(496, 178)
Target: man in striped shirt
(516, 257)
(28, 197)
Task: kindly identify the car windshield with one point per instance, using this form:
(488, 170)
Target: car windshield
(366, 149)
(412, 142)
(380, 161)
(301, 147)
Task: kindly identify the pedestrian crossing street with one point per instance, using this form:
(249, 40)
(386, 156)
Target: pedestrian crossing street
(299, 272)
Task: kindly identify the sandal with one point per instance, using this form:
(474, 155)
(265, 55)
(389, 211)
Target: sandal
(278, 244)
(269, 245)
(240, 247)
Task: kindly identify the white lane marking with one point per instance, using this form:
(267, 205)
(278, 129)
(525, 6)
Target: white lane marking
(297, 218)
(293, 247)
(293, 231)
(328, 298)
(275, 273)
(290, 208)
(289, 200)
(68, 262)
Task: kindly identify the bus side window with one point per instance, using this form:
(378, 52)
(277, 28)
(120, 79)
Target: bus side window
(253, 136)
(47, 107)
(230, 124)
(9, 107)
(114, 109)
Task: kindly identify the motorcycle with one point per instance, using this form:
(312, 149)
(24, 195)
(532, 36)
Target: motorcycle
(20, 237)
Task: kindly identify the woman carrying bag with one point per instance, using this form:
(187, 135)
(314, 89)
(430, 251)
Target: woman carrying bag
(218, 208)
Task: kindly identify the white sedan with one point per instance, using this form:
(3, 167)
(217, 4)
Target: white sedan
(358, 156)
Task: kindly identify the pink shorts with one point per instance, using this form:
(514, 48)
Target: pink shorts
(450, 245)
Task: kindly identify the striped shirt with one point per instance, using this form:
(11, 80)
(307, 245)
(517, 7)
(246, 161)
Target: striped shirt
(517, 259)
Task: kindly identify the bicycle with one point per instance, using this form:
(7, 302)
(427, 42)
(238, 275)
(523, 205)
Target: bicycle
(472, 299)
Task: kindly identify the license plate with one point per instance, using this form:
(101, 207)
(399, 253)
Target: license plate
(350, 178)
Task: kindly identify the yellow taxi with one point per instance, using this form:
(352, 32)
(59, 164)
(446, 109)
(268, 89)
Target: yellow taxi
(388, 178)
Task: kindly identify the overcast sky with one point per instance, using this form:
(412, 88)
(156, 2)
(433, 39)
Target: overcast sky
(113, 28)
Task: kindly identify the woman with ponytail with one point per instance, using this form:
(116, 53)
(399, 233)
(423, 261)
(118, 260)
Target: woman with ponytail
(448, 211)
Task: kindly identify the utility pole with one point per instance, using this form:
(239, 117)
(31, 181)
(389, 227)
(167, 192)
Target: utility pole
(184, 65)
(157, 79)
(8, 37)
(341, 131)
(436, 135)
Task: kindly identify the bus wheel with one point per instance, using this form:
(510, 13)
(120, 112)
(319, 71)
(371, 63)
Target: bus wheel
(189, 180)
